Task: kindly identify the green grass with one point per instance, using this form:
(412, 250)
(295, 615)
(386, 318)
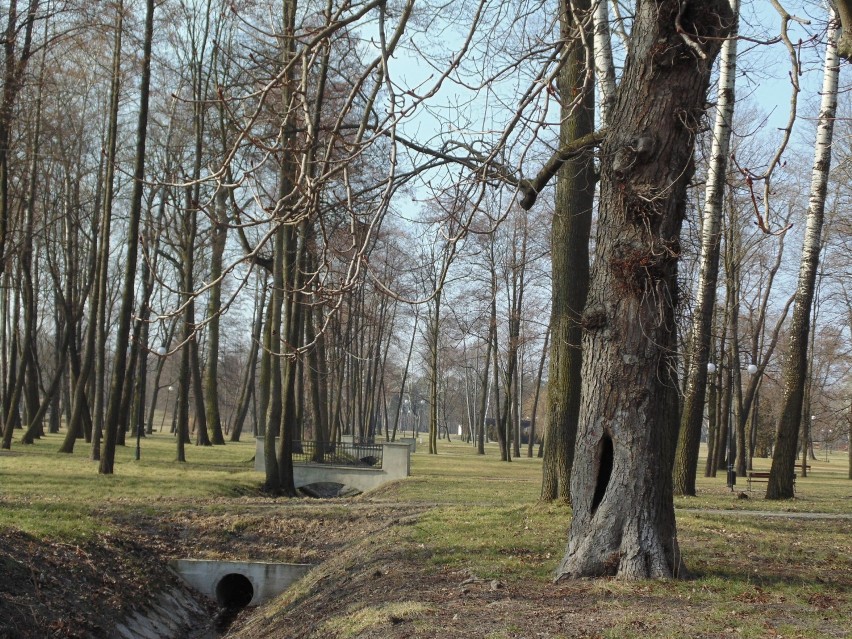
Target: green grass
(826, 489)
(49, 494)
(751, 575)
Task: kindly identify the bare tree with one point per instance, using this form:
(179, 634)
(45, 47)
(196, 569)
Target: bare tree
(686, 457)
(128, 293)
(572, 220)
(780, 485)
(623, 522)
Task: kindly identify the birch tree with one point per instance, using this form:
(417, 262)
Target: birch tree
(794, 371)
(689, 440)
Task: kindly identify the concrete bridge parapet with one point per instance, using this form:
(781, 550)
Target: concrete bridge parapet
(396, 464)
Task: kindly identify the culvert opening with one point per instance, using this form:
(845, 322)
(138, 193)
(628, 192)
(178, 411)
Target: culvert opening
(234, 591)
(328, 490)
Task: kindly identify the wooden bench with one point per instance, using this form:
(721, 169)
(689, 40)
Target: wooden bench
(761, 476)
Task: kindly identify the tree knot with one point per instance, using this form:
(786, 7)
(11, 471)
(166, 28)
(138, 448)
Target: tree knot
(637, 151)
(594, 318)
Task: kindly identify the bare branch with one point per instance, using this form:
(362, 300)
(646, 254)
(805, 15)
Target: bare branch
(531, 188)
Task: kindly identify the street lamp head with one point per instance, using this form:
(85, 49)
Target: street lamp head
(752, 369)
(162, 350)
(711, 367)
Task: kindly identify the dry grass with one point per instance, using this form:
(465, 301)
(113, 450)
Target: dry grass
(461, 549)
(359, 619)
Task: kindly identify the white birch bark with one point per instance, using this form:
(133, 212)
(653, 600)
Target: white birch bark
(686, 459)
(604, 65)
(794, 372)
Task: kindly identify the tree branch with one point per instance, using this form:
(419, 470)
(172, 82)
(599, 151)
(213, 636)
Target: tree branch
(531, 188)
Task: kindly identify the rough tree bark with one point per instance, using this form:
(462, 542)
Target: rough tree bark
(572, 222)
(621, 488)
(843, 8)
(794, 371)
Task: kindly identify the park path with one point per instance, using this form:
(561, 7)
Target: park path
(764, 513)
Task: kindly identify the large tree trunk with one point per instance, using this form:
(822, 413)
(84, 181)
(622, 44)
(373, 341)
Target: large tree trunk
(279, 463)
(794, 371)
(291, 329)
(273, 390)
(621, 487)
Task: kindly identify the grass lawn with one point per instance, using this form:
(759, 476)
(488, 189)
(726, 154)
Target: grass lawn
(478, 550)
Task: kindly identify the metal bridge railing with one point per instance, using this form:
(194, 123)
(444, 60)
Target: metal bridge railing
(355, 455)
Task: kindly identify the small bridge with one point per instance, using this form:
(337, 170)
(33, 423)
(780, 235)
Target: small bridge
(360, 466)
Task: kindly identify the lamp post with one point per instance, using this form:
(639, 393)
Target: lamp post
(162, 351)
(751, 369)
(168, 397)
(809, 442)
(416, 425)
(406, 410)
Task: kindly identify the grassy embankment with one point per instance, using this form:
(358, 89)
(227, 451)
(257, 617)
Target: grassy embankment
(752, 576)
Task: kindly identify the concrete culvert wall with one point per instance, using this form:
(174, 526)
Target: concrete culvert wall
(234, 591)
(238, 583)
